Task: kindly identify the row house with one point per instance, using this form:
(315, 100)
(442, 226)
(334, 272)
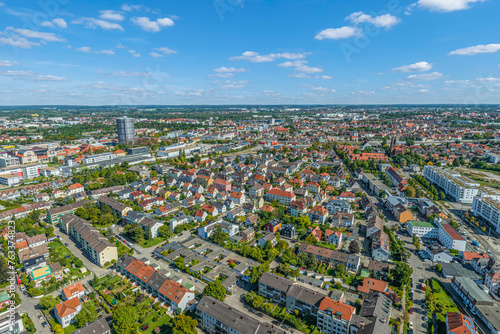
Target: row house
(163, 289)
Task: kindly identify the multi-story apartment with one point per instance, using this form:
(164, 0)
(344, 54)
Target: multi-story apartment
(293, 295)
(334, 317)
(282, 197)
(11, 324)
(488, 209)
(460, 188)
(215, 316)
(97, 246)
(55, 214)
(350, 261)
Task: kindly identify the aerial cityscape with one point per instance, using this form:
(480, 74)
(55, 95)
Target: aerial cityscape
(250, 167)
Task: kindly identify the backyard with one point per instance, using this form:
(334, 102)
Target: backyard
(443, 304)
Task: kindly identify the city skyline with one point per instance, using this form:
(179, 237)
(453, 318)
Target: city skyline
(249, 52)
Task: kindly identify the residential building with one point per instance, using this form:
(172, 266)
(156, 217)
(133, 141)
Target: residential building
(215, 316)
(97, 246)
(100, 326)
(487, 209)
(460, 188)
(457, 323)
(66, 311)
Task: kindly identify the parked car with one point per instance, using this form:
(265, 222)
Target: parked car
(66, 244)
(44, 324)
(40, 316)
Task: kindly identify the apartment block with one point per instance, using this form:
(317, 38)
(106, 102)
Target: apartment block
(97, 246)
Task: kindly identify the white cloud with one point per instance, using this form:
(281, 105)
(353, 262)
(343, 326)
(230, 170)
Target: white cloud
(88, 49)
(416, 67)
(227, 72)
(424, 90)
(93, 23)
(129, 8)
(120, 46)
(338, 33)
(324, 77)
(32, 76)
(424, 76)
(299, 75)
(474, 50)
(364, 92)
(134, 53)
(296, 63)
(457, 82)
(382, 21)
(126, 74)
(111, 15)
(7, 63)
(58, 22)
(47, 78)
(16, 73)
(152, 26)
(319, 89)
(46, 36)
(488, 79)
(308, 69)
(446, 5)
(228, 84)
(1, 4)
(18, 41)
(155, 54)
(271, 93)
(255, 57)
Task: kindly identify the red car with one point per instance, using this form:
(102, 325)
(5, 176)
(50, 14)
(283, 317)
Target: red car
(411, 310)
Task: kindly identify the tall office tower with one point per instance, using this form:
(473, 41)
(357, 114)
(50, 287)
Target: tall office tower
(125, 128)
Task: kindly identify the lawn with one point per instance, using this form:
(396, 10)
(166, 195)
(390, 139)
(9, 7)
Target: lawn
(70, 329)
(57, 247)
(152, 326)
(151, 242)
(441, 296)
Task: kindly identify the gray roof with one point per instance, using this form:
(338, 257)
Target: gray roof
(473, 289)
(69, 207)
(97, 327)
(238, 321)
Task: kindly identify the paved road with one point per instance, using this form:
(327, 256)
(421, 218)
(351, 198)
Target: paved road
(76, 251)
(28, 306)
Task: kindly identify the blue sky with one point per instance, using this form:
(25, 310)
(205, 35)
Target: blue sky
(249, 52)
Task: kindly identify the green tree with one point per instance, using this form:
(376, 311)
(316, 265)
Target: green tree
(165, 232)
(438, 267)
(47, 302)
(401, 274)
(215, 289)
(184, 324)
(125, 320)
(4, 269)
(218, 236)
(410, 191)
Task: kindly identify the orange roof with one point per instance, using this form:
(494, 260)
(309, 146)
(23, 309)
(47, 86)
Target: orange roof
(334, 307)
(67, 307)
(267, 208)
(281, 193)
(73, 290)
(21, 245)
(372, 284)
(469, 256)
(459, 324)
